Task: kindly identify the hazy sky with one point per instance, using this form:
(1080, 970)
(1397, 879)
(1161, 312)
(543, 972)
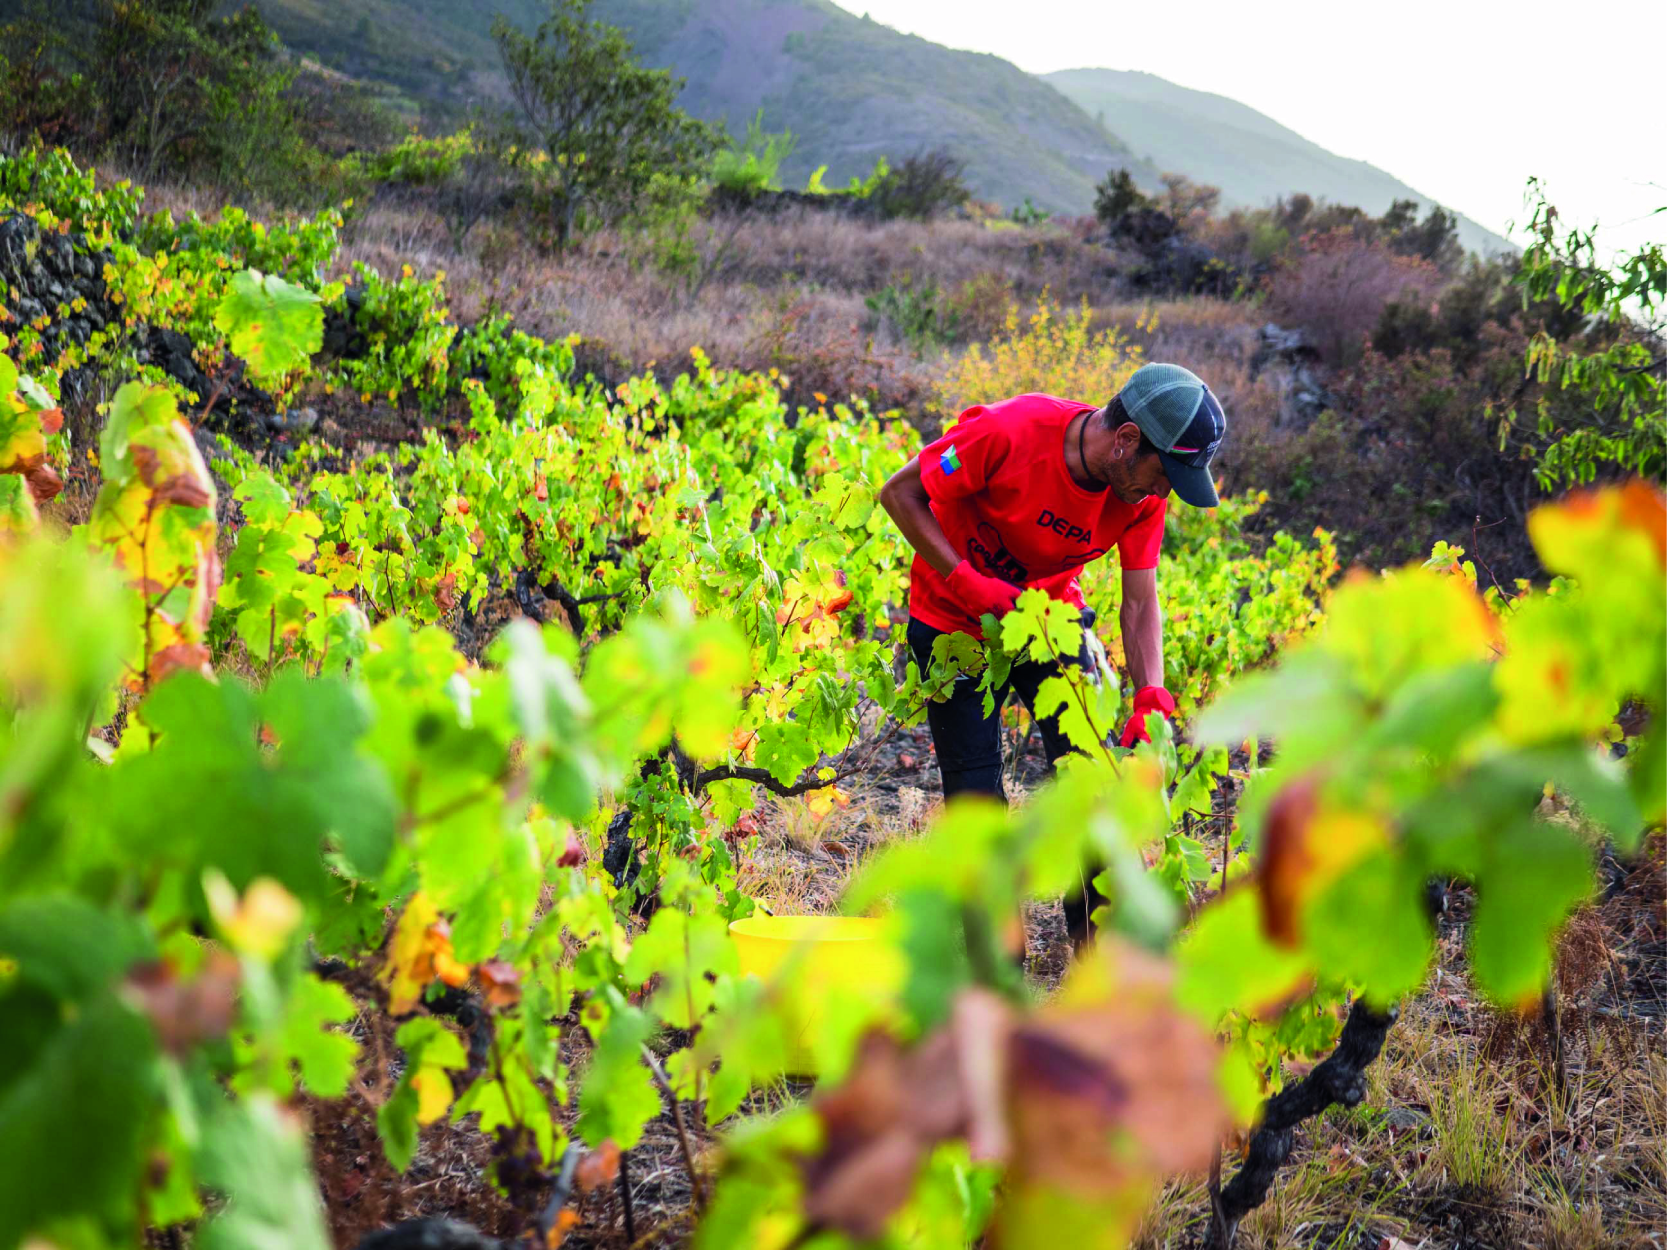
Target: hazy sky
(1461, 99)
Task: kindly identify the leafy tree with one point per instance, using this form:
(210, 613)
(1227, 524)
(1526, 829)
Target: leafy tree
(181, 87)
(41, 98)
(1435, 239)
(1619, 363)
(607, 124)
(1116, 197)
(164, 85)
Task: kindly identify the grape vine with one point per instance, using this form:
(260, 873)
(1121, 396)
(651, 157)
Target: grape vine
(260, 780)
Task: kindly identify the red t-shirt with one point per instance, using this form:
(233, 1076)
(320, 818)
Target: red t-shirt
(999, 488)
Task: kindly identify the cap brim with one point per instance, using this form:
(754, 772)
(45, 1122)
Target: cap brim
(1194, 486)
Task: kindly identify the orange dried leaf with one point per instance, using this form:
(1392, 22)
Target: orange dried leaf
(599, 1167)
(501, 982)
(565, 1222)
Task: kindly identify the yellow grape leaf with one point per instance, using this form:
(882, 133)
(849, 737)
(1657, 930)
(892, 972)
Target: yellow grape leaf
(434, 1093)
(260, 922)
(1573, 657)
(822, 802)
(27, 417)
(155, 515)
(418, 954)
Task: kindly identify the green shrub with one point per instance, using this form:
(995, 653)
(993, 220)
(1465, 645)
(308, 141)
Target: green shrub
(417, 160)
(862, 188)
(753, 164)
(916, 311)
(1027, 214)
(50, 180)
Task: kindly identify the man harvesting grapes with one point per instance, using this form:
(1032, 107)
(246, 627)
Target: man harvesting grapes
(1024, 493)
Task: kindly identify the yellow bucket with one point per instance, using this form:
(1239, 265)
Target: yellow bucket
(815, 959)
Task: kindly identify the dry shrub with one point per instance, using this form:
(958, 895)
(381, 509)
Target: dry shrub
(1410, 455)
(1338, 285)
(980, 306)
(1049, 352)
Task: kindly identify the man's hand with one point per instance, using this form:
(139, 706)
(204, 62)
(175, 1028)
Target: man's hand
(1147, 699)
(979, 593)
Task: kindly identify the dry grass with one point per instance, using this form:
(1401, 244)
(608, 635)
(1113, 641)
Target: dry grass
(836, 253)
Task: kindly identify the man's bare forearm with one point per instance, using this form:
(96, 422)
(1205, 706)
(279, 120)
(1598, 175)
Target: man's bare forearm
(1141, 621)
(904, 498)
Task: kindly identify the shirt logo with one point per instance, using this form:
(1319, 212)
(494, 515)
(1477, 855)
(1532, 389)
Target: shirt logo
(1067, 529)
(991, 548)
(949, 461)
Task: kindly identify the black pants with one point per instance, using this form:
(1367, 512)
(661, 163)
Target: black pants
(968, 745)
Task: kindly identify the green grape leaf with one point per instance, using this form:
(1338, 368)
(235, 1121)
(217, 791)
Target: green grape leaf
(274, 326)
(504, 897)
(135, 407)
(617, 1097)
(324, 1056)
(1226, 963)
(67, 946)
(746, 1038)
(1368, 927)
(685, 951)
(1137, 904)
(209, 794)
(265, 502)
(318, 723)
(18, 513)
(930, 937)
(785, 749)
(847, 504)
(666, 674)
(1041, 627)
(92, 1082)
(1065, 696)
(515, 1101)
(1536, 872)
(255, 1152)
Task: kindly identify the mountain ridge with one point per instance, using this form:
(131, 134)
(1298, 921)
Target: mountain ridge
(852, 89)
(1253, 158)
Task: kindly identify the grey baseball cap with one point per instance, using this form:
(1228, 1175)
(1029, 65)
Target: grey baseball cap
(1176, 410)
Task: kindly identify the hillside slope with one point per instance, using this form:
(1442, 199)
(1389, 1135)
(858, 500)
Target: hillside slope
(849, 88)
(1251, 157)
(853, 89)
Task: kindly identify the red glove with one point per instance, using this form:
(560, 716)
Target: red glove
(1147, 699)
(979, 593)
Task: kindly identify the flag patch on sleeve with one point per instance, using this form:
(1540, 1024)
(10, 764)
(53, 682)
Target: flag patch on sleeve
(949, 461)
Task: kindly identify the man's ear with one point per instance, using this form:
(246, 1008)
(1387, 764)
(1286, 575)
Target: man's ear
(1128, 437)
